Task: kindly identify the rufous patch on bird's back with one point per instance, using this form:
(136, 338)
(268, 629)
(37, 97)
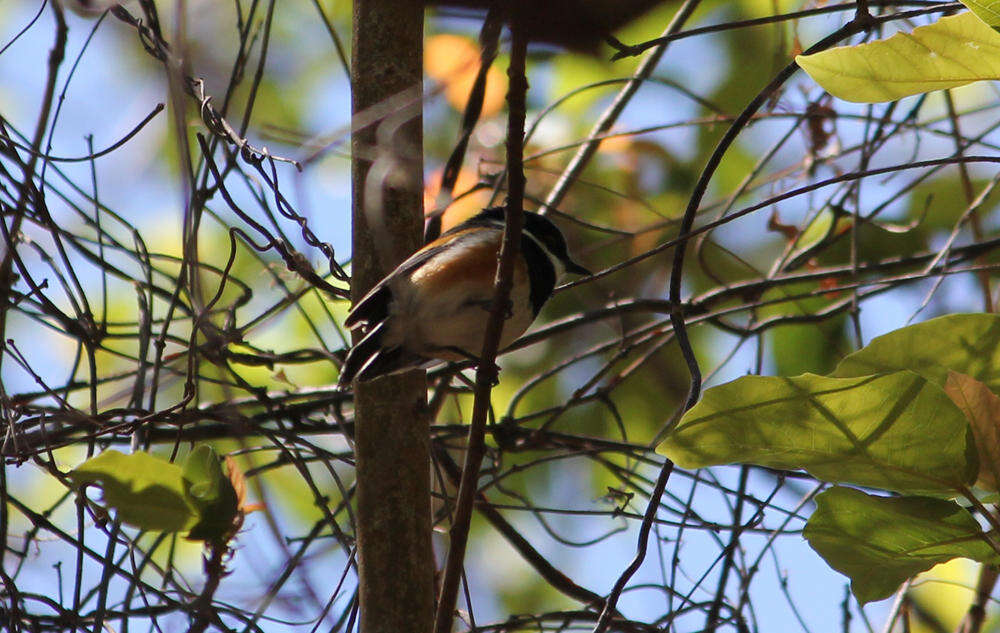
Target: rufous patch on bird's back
(478, 258)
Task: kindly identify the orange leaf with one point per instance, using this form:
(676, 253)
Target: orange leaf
(456, 211)
(238, 480)
(453, 61)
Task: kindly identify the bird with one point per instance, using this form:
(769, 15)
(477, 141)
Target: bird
(435, 305)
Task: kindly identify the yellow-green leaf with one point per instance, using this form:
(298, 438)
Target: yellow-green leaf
(966, 343)
(951, 52)
(146, 491)
(894, 431)
(985, 11)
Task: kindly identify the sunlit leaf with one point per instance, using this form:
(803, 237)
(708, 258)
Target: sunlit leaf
(966, 343)
(453, 60)
(946, 591)
(985, 11)
(951, 52)
(982, 409)
(146, 491)
(461, 209)
(879, 542)
(894, 431)
(201, 475)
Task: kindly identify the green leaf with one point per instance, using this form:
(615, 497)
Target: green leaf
(202, 474)
(987, 12)
(951, 52)
(210, 491)
(895, 431)
(819, 229)
(146, 491)
(966, 343)
(879, 542)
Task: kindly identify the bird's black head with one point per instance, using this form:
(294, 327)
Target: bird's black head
(549, 236)
(543, 231)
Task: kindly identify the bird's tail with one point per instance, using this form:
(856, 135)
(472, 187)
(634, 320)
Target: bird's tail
(368, 359)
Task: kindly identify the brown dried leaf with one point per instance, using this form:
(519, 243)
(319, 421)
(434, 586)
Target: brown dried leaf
(982, 408)
(238, 480)
(774, 223)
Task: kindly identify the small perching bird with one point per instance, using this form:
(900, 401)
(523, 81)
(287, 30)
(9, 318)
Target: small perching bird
(435, 305)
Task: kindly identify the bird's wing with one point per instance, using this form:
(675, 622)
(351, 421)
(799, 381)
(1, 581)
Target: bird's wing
(374, 306)
(361, 354)
(369, 359)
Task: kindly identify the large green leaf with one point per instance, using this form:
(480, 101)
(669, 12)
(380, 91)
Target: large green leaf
(951, 52)
(966, 343)
(146, 491)
(879, 542)
(895, 431)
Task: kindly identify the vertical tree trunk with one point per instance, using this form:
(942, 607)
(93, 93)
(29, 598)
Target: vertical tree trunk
(393, 448)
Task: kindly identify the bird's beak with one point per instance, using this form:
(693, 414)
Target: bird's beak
(576, 269)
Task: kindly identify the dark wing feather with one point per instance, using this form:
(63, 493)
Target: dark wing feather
(374, 306)
(361, 354)
(390, 361)
(368, 359)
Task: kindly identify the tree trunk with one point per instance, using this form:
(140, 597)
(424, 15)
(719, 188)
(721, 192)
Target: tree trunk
(393, 449)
